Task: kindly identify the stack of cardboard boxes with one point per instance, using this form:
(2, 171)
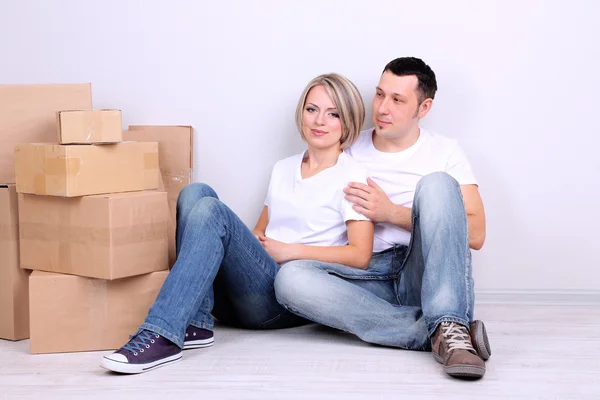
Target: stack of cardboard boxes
(93, 225)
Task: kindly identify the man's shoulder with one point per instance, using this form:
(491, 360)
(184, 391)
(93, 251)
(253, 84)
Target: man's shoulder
(438, 142)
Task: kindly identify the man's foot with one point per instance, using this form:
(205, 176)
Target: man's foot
(196, 338)
(451, 346)
(479, 339)
(144, 352)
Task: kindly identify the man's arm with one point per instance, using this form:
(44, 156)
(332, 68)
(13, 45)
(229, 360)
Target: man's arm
(475, 215)
(372, 202)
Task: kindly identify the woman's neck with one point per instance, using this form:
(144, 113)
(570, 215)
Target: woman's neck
(317, 160)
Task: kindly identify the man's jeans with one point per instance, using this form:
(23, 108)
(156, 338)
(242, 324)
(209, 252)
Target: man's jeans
(406, 291)
(221, 268)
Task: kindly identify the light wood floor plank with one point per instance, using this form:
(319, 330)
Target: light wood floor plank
(538, 352)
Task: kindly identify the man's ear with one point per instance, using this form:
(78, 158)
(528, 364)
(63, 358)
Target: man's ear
(425, 107)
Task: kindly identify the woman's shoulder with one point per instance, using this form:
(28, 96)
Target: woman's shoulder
(290, 162)
(351, 167)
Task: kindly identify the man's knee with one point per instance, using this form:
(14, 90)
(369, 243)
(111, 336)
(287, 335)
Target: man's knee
(295, 282)
(435, 190)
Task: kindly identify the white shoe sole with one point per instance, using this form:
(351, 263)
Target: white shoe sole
(198, 344)
(127, 368)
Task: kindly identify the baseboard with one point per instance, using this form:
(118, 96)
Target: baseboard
(541, 297)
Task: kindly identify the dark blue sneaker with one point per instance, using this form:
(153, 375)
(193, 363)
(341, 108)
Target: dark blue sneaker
(196, 338)
(144, 352)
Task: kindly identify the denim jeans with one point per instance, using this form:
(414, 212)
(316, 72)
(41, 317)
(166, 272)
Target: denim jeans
(221, 269)
(406, 292)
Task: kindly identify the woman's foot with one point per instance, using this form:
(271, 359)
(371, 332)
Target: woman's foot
(196, 338)
(144, 352)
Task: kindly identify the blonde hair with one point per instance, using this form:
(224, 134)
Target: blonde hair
(347, 100)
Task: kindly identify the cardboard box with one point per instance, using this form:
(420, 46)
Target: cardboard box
(176, 160)
(71, 313)
(28, 115)
(78, 170)
(14, 289)
(108, 236)
(89, 126)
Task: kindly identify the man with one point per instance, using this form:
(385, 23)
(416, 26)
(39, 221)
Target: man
(417, 292)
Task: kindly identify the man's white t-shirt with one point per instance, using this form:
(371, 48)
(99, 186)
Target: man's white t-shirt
(398, 173)
(312, 211)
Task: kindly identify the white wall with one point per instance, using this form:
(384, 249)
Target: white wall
(518, 85)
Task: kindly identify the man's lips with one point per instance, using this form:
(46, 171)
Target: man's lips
(380, 122)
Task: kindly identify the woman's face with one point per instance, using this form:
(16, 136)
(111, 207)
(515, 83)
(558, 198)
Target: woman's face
(321, 124)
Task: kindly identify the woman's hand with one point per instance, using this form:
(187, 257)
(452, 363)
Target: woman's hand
(281, 252)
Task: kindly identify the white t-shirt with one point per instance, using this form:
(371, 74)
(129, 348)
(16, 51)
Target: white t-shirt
(398, 173)
(311, 211)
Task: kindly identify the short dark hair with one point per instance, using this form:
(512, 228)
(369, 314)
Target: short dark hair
(405, 66)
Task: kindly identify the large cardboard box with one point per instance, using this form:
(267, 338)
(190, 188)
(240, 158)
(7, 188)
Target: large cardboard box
(71, 313)
(79, 170)
(14, 289)
(28, 115)
(176, 160)
(107, 236)
(89, 126)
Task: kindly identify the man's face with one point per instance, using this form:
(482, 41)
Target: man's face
(396, 105)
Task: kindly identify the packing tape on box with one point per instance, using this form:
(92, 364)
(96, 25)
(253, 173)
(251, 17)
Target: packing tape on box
(70, 240)
(96, 236)
(97, 301)
(151, 160)
(55, 167)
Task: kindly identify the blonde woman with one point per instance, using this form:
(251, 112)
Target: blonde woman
(226, 270)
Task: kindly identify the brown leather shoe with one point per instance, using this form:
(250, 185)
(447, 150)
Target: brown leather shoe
(451, 346)
(479, 339)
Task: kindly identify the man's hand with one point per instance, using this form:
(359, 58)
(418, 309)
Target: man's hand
(281, 252)
(370, 200)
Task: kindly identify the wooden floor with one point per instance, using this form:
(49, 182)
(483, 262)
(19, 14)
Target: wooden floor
(538, 352)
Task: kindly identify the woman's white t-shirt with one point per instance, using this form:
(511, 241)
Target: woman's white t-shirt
(312, 211)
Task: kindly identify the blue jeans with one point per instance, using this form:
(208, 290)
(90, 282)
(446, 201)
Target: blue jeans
(221, 268)
(406, 292)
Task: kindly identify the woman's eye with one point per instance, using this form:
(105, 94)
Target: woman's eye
(334, 115)
(310, 109)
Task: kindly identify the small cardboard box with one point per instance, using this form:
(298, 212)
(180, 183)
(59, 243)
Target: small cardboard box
(89, 126)
(79, 170)
(107, 236)
(72, 313)
(176, 160)
(14, 289)
(28, 115)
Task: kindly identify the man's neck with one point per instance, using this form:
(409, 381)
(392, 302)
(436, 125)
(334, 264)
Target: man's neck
(397, 144)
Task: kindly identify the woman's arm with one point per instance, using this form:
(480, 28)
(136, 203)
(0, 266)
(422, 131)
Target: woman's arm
(357, 253)
(261, 224)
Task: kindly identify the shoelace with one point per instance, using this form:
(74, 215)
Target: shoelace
(456, 336)
(140, 342)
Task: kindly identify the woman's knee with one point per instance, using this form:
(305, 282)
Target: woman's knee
(190, 194)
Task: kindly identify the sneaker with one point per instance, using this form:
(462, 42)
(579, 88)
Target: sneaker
(144, 352)
(196, 338)
(451, 346)
(479, 339)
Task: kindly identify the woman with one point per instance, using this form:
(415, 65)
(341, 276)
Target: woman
(226, 270)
